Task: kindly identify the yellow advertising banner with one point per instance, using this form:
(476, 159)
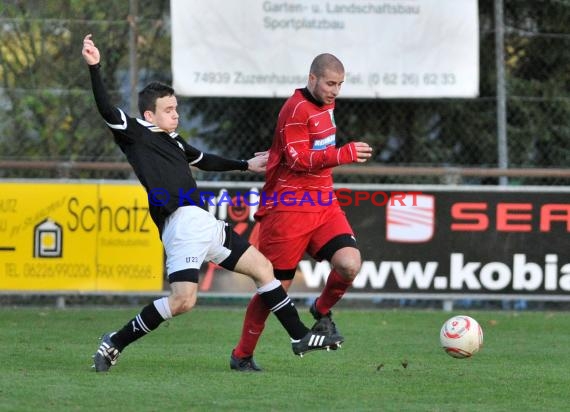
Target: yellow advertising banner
(78, 237)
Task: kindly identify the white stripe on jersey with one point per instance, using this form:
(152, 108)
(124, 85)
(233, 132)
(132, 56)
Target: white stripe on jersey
(198, 159)
(121, 126)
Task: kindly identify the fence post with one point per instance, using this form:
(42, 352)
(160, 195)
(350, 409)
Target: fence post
(502, 146)
(133, 63)
(60, 302)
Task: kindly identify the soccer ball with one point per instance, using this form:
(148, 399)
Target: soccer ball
(461, 336)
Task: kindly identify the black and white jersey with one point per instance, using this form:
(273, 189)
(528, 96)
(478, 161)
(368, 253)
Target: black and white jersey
(160, 162)
(159, 159)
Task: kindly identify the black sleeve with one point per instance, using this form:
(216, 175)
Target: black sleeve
(210, 162)
(213, 163)
(111, 114)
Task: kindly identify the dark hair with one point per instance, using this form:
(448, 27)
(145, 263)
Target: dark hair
(326, 61)
(151, 92)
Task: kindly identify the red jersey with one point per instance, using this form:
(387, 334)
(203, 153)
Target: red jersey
(301, 158)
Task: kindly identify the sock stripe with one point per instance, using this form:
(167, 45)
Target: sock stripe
(281, 304)
(142, 324)
(283, 308)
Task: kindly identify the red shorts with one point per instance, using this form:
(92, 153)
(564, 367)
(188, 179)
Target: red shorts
(284, 237)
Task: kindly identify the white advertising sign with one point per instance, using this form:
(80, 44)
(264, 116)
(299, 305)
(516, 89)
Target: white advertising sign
(262, 48)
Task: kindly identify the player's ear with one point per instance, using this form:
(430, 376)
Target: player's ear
(148, 116)
(312, 80)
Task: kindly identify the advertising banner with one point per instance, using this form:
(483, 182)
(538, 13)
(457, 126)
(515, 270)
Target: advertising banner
(86, 237)
(390, 49)
(432, 241)
(427, 242)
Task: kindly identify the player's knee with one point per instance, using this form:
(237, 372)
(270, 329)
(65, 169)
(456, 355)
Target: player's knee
(347, 263)
(182, 303)
(349, 268)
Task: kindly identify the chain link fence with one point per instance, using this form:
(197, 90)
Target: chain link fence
(50, 127)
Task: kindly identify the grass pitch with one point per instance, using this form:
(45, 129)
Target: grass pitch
(391, 361)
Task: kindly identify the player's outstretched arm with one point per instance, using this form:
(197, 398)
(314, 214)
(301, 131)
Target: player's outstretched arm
(90, 53)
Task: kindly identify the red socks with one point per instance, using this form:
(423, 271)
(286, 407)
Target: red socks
(253, 325)
(333, 291)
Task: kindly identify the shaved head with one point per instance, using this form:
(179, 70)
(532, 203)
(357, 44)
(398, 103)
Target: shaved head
(326, 61)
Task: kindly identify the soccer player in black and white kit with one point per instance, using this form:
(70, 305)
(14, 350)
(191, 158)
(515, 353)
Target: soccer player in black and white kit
(160, 158)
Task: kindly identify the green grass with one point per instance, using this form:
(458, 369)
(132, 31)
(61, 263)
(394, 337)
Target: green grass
(45, 358)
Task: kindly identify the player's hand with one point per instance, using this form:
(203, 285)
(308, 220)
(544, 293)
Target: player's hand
(363, 151)
(90, 52)
(258, 163)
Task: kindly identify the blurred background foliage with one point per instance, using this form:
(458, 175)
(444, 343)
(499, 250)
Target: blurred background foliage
(48, 113)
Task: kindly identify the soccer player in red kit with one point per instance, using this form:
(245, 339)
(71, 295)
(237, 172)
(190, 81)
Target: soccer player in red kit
(298, 211)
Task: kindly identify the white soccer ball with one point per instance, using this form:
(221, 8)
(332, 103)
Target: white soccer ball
(461, 336)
